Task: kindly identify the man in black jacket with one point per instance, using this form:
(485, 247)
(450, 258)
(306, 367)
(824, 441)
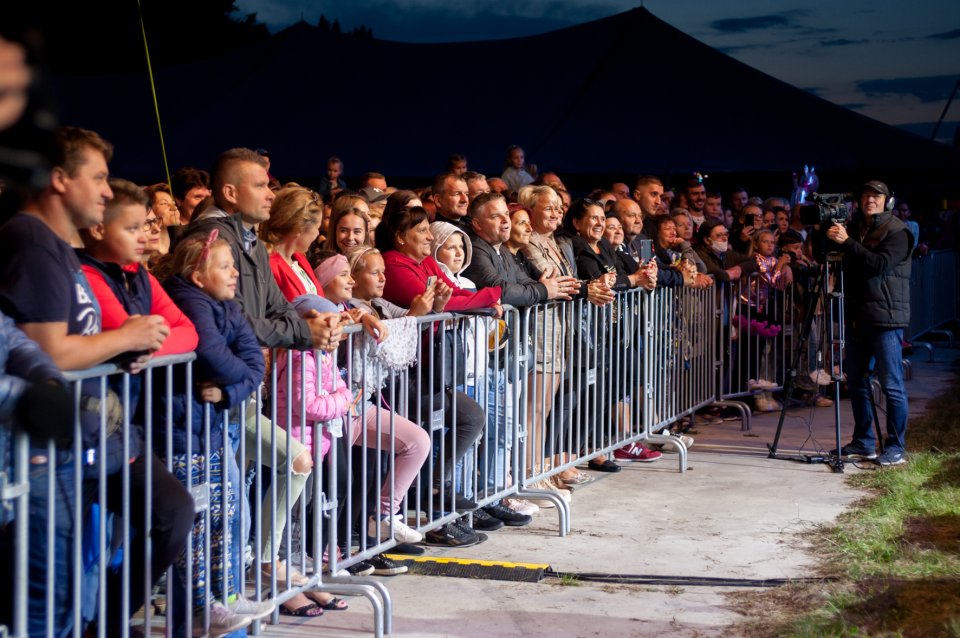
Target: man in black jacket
(876, 262)
(494, 265)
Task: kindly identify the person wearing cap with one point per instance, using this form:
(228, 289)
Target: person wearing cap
(373, 180)
(376, 199)
(876, 267)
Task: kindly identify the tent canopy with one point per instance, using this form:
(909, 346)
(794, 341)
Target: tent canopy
(578, 100)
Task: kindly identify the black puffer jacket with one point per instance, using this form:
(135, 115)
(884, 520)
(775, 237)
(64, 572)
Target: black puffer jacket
(876, 262)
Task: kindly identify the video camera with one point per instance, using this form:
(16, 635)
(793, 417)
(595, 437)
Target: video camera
(824, 208)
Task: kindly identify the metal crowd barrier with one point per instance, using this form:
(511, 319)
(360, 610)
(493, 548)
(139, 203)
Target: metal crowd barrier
(600, 378)
(72, 527)
(681, 331)
(757, 333)
(933, 296)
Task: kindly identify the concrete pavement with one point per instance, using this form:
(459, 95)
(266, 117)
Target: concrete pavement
(734, 513)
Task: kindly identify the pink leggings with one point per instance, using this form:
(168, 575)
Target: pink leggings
(411, 445)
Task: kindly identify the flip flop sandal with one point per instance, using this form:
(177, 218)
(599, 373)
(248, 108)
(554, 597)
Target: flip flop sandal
(311, 610)
(580, 478)
(334, 604)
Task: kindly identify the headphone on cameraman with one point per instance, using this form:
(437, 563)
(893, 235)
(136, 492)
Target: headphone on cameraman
(888, 200)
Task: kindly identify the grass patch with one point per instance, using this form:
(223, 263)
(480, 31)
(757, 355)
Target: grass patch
(894, 560)
(569, 580)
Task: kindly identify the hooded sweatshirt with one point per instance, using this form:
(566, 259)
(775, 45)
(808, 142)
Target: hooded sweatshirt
(442, 231)
(474, 334)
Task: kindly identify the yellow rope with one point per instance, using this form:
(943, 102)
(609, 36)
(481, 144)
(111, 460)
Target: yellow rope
(153, 90)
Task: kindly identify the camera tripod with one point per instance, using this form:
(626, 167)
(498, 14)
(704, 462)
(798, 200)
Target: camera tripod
(833, 306)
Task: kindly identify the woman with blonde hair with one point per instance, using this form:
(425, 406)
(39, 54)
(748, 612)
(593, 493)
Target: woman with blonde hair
(549, 253)
(294, 225)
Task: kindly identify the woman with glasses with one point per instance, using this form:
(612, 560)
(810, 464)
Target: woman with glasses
(165, 225)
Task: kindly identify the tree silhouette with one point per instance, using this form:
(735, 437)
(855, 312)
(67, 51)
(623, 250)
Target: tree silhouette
(323, 24)
(110, 39)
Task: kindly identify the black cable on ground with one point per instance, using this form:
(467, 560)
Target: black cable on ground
(676, 581)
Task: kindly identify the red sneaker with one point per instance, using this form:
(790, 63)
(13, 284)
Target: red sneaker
(636, 453)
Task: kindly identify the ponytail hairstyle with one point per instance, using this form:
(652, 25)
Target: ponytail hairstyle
(189, 256)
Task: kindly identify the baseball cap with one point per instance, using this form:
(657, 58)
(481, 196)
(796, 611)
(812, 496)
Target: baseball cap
(878, 187)
(372, 195)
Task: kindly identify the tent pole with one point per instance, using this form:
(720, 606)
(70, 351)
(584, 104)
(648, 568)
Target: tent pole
(946, 108)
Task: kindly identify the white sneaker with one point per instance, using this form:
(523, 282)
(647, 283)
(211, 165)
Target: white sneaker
(401, 531)
(821, 377)
(521, 506)
(761, 384)
(671, 447)
(251, 608)
(222, 621)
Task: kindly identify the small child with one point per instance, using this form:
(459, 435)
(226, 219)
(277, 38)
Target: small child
(228, 369)
(325, 398)
(111, 260)
(774, 275)
(411, 443)
(517, 173)
(367, 269)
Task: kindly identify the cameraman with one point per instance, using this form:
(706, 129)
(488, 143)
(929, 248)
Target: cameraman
(876, 258)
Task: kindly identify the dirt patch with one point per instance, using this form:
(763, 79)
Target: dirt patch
(914, 609)
(939, 427)
(948, 476)
(773, 612)
(941, 533)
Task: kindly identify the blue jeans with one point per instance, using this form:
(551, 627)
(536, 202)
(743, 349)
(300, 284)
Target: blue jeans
(884, 346)
(493, 452)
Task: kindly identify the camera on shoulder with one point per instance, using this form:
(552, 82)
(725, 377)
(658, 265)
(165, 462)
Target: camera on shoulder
(824, 208)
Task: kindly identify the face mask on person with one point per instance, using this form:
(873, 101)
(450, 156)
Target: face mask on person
(721, 246)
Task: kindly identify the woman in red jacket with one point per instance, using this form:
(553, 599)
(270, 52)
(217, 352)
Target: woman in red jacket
(294, 224)
(406, 243)
(405, 240)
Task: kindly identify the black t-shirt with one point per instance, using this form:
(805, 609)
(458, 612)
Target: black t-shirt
(41, 280)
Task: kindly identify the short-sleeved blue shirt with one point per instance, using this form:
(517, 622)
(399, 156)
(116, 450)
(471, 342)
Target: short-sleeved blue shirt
(41, 280)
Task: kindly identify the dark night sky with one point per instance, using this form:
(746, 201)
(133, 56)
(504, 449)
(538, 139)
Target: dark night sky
(891, 60)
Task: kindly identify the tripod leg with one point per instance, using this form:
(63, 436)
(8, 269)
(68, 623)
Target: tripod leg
(814, 295)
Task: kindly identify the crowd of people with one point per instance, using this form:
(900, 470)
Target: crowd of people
(233, 264)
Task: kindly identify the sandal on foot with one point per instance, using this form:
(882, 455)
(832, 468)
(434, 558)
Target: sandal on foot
(334, 604)
(579, 478)
(310, 610)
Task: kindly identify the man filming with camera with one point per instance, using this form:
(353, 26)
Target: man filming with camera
(876, 261)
